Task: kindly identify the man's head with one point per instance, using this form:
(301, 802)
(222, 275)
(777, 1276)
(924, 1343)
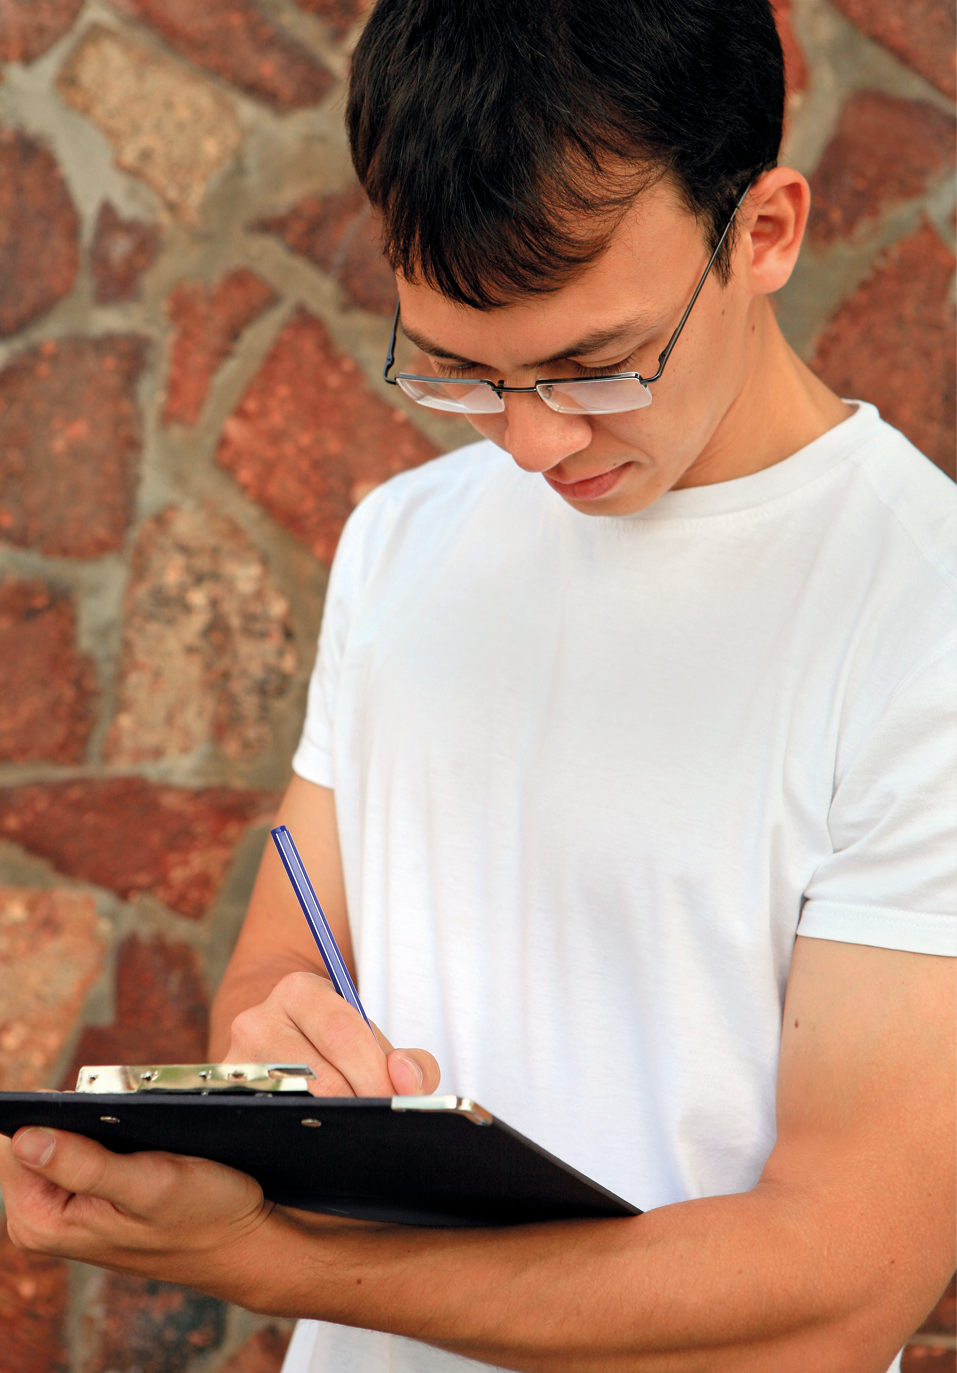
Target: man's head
(549, 172)
(503, 139)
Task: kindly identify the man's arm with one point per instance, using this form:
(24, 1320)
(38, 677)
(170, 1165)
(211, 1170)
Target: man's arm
(826, 1264)
(829, 1262)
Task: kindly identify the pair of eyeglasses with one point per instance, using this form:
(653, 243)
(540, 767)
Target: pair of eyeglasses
(609, 395)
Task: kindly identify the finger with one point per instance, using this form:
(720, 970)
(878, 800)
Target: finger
(413, 1072)
(381, 1040)
(338, 1031)
(284, 1042)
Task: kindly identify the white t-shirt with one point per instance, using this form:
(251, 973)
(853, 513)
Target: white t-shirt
(592, 774)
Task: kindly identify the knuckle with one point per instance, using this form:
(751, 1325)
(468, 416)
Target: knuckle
(29, 1239)
(299, 985)
(329, 1082)
(89, 1176)
(248, 1028)
(16, 1234)
(169, 1184)
(168, 1174)
(245, 1022)
(339, 1031)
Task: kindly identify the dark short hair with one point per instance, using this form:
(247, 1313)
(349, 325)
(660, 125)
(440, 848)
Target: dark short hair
(482, 129)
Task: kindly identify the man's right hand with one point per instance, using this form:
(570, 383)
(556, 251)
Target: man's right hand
(304, 1020)
(275, 1003)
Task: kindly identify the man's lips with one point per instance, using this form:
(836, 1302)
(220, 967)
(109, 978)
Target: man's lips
(588, 488)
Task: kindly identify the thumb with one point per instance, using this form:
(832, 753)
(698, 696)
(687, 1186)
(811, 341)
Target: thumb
(414, 1072)
(78, 1165)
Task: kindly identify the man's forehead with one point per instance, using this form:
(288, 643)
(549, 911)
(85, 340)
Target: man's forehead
(593, 341)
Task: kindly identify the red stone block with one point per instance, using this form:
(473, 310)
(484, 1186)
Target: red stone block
(339, 15)
(152, 1327)
(130, 836)
(943, 1319)
(239, 42)
(162, 1009)
(39, 232)
(70, 438)
(123, 249)
(922, 1358)
(919, 32)
(893, 343)
(310, 437)
(885, 150)
(29, 27)
(49, 690)
(795, 64)
(33, 1301)
(262, 1353)
(208, 321)
(340, 234)
(52, 949)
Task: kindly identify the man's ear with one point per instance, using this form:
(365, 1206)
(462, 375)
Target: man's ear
(769, 238)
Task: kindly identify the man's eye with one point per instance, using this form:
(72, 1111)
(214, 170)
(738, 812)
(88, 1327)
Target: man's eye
(608, 370)
(448, 369)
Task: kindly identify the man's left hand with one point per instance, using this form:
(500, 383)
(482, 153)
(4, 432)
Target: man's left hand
(184, 1220)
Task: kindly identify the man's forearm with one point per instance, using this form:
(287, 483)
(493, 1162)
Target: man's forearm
(751, 1282)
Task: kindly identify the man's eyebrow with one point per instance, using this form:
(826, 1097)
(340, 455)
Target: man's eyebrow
(596, 340)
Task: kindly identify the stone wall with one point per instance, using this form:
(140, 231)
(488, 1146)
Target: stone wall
(193, 315)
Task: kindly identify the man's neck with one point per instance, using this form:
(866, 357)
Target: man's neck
(781, 407)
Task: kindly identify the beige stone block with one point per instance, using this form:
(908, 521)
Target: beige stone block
(52, 947)
(167, 124)
(207, 642)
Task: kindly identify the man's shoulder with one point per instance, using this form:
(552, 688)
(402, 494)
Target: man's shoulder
(889, 529)
(912, 497)
(456, 479)
(408, 518)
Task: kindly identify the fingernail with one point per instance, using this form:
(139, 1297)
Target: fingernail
(35, 1146)
(419, 1079)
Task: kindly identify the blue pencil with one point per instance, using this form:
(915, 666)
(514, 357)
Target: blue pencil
(321, 933)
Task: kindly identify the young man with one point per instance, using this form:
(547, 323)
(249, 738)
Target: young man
(630, 739)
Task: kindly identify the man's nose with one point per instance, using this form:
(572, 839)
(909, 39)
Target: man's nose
(539, 438)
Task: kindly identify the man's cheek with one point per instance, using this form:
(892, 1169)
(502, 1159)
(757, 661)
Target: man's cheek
(490, 427)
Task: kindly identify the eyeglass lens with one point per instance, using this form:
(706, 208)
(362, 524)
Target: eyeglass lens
(597, 396)
(465, 397)
(594, 396)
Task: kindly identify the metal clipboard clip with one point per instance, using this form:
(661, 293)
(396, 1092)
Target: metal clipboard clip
(201, 1078)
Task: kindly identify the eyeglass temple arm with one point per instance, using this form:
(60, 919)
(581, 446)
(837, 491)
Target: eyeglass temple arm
(390, 360)
(666, 354)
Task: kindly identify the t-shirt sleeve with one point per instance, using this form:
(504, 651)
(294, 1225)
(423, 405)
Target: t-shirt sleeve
(891, 879)
(313, 757)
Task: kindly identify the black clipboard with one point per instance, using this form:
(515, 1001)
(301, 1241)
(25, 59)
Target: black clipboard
(439, 1160)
